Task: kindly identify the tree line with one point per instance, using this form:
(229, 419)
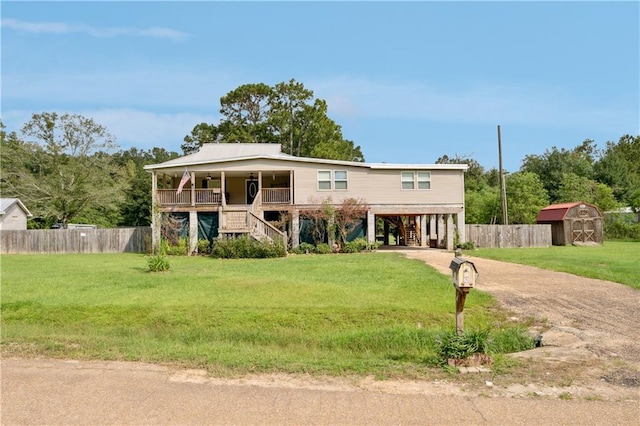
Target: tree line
(68, 168)
(608, 178)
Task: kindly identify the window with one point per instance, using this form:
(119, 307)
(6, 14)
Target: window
(416, 180)
(407, 180)
(340, 179)
(424, 180)
(324, 180)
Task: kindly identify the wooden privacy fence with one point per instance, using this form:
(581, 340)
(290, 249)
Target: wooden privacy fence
(118, 240)
(503, 236)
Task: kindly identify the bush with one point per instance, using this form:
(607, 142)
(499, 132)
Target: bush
(204, 246)
(469, 245)
(450, 345)
(180, 249)
(304, 248)
(323, 248)
(158, 263)
(621, 226)
(247, 248)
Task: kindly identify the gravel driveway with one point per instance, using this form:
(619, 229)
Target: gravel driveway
(588, 323)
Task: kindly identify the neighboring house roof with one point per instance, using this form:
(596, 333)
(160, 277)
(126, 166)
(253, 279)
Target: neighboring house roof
(7, 203)
(211, 153)
(557, 212)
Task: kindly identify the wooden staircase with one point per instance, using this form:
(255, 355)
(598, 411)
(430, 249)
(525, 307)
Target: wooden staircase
(241, 220)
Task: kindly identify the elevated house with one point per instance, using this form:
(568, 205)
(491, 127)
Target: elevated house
(234, 189)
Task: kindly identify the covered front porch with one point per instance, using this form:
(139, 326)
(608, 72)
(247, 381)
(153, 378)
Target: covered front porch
(219, 188)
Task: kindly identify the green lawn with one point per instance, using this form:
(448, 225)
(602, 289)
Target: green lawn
(617, 261)
(374, 313)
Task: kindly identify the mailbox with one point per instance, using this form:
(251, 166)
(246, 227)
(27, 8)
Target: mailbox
(463, 273)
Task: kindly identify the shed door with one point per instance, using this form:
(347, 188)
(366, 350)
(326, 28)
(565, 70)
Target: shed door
(589, 230)
(577, 234)
(583, 230)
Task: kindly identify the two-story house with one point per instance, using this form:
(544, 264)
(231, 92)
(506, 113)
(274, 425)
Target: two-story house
(241, 188)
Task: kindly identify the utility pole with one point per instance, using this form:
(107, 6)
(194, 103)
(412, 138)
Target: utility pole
(503, 189)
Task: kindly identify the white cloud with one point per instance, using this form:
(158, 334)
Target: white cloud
(146, 129)
(482, 103)
(64, 28)
(131, 127)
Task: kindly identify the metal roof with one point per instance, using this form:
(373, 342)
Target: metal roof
(211, 153)
(557, 212)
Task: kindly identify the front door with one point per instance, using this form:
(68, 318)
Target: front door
(252, 190)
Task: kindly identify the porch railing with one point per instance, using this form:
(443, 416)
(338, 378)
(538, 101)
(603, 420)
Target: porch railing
(169, 197)
(261, 228)
(276, 196)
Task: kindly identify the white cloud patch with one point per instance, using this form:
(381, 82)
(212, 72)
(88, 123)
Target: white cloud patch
(93, 31)
(131, 127)
(483, 103)
(145, 129)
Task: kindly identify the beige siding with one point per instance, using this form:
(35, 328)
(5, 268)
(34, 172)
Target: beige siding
(377, 187)
(14, 219)
(380, 187)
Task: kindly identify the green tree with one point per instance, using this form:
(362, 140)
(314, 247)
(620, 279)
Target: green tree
(61, 168)
(555, 163)
(286, 114)
(135, 209)
(576, 188)
(619, 168)
(482, 206)
(526, 196)
(201, 134)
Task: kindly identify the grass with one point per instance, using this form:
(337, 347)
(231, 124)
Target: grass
(375, 313)
(617, 261)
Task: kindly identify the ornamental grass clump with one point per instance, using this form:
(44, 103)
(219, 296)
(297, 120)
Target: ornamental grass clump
(158, 263)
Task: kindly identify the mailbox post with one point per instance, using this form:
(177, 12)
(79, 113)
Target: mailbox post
(463, 276)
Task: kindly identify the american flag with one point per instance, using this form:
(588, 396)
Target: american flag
(186, 177)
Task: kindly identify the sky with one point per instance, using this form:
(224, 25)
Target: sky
(407, 81)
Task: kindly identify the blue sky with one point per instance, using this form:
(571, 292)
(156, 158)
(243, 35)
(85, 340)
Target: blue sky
(407, 81)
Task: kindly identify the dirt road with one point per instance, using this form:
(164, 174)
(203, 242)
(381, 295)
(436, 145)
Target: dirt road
(585, 374)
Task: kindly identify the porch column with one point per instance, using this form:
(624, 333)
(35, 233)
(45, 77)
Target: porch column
(423, 231)
(223, 190)
(193, 231)
(433, 227)
(450, 231)
(193, 189)
(295, 228)
(259, 195)
(155, 215)
(462, 235)
(371, 227)
(441, 230)
(291, 187)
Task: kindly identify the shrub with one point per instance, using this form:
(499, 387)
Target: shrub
(247, 248)
(621, 226)
(180, 249)
(158, 263)
(450, 345)
(204, 246)
(304, 248)
(469, 245)
(323, 248)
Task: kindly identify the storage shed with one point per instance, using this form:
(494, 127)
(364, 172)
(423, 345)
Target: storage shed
(573, 223)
